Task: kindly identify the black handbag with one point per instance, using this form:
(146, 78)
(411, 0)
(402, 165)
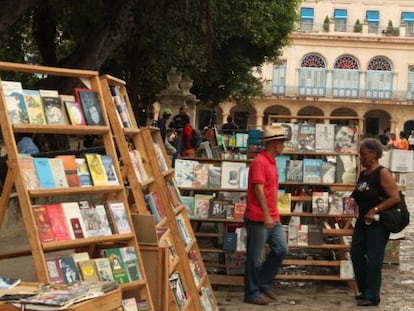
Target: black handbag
(395, 218)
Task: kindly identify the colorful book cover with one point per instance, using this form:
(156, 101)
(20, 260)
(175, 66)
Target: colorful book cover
(29, 173)
(129, 256)
(349, 205)
(184, 172)
(69, 269)
(34, 107)
(346, 139)
(88, 270)
(59, 175)
(201, 175)
(175, 194)
(108, 164)
(73, 219)
(284, 202)
(75, 113)
(281, 163)
(230, 174)
(44, 172)
(160, 157)
(93, 219)
(105, 227)
(104, 269)
(152, 207)
(91, 106)
(122, 111)
(52, 105)
(182, 228)
(118, 267)
(83, 172)
(57, 220)
(43, 224)
(13, 94)
(119, 217)
(188, 201)
(96, 169)
(312, 170)
(55, 273)
(138, 165)
(239, 209)
(306, 137)
(202, 205)
(70, 167)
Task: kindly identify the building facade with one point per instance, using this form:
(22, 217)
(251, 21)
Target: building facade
(346, 58)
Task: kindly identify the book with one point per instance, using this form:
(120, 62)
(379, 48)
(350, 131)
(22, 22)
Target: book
(239, 210)
(94, 219)
(54, 270)
(88, 270)
(44, 172)
(34, 106)
(43, 224)
(52, 106)
(59, 175)
(281, 163)
(244, 174)
(312, 170)
(83, 172)
(306, 137)
(229, 241)
(336, 203)
(152, 207)
(241, 239)
(69, 269)
(329, 171)
(175, 194)
(346, 270)
(182, 228)
(235, 263)
(29, 173)
(96, 169)
(117, 265)
(201, 175)
(160, 157)
(302, 234)
(230, 174)
(105, 226)
(80, 257)
(214, 177)
(110, 172)
(315, 235)
(178, 289)
(121, 109)
(324, 137)
(129, 304)
(70, 167)
(104, 269)
(90, 104)
(401, 161)
(129, 256)
(293, 229)
(346, 138)
(202, 205)
(284, 202)
(189, 203)
(13, 95)
(138, 165)
(184, 172)
(217, 209)
(294, 170)
(349, 205)
(346, 169)
(75, 113)
(57, 221)
(118, 217)
(8, 282)
(320, 202)
(73, 219)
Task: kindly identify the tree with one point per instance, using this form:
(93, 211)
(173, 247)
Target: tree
(326, 24)
(358, 26)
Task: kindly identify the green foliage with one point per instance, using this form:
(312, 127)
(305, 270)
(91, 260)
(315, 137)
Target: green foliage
(391, 30)
(358, 26)
(326, 24)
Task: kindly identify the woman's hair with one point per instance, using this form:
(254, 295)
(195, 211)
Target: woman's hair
(374, 145)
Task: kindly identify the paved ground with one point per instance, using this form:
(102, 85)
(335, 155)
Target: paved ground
(397, 289)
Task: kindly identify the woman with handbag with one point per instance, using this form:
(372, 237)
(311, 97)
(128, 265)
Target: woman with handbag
(370, 237)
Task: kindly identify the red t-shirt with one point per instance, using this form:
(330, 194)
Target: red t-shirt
(263, 171)
(187, 137)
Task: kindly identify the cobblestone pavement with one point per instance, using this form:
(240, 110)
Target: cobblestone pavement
(397, 289)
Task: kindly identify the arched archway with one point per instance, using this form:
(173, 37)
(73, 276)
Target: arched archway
(376, 122)
(310, 111)
(275, 110)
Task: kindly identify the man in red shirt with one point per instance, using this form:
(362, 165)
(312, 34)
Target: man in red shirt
(263, 220)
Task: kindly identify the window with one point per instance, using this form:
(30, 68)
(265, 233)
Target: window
(408, 19)
(345, 77)
(306, 19)
(340, 17)
(312, 76)
(379, 78)
(372, 18)
(410, 84)
(279, 78)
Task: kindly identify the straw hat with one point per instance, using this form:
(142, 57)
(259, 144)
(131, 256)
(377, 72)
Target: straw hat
(273, 132)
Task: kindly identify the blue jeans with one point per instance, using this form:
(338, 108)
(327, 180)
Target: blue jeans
(259, 275)
(367, 253)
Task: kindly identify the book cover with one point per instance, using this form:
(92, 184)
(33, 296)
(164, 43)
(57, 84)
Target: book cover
(349, 205)
(59, 175)
(346, 270)
(229, 241)
(118, 216)
(152, 207)
(34, 106)
(202, 205)
(8, 282)
(70, 167)
(83, 172)
(346, 139)
(230, 174)
(160, 157)
(294, 171)
(69, 269)
(401, 161)
(182, 228)
(241, 239)
(217, 209)
(13, 95)
(54, 270)
(57, 220)
(312, 170)
(302, 234)
(192, 255)
(104, 269)
(175, 194)
(346, 169)
(52, 105)
(244, 174)
(178, 289)
(184, 172)
(293, 229)
(315, 236)
(336, 203)
(80, 256)
(329, 171)
(201, 175)
(75, 113)
(284, 202)
(129, 256)
(239, 210)
(117, 265)
(129, 304)
(91, 106)
(96, 169)
(214, 177)
(43, 224)
(88, 270)
(324, 137)
(105, 226)
(73, 219)
(44, 173)
(122, 111)
(29, 173)
(320, 202)
(235, 263)
(108, 164)
(281, 163)
(138, 165)
(93, 221)
(306, 137)
(189, 203)
(158, 204)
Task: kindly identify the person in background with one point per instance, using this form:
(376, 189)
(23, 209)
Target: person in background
(262, 220)
(370, 237)
(403, 145)
(411, 140)
(178, 119)
(162, 123)
(394, 142)
(230, 127)
(187, 149)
